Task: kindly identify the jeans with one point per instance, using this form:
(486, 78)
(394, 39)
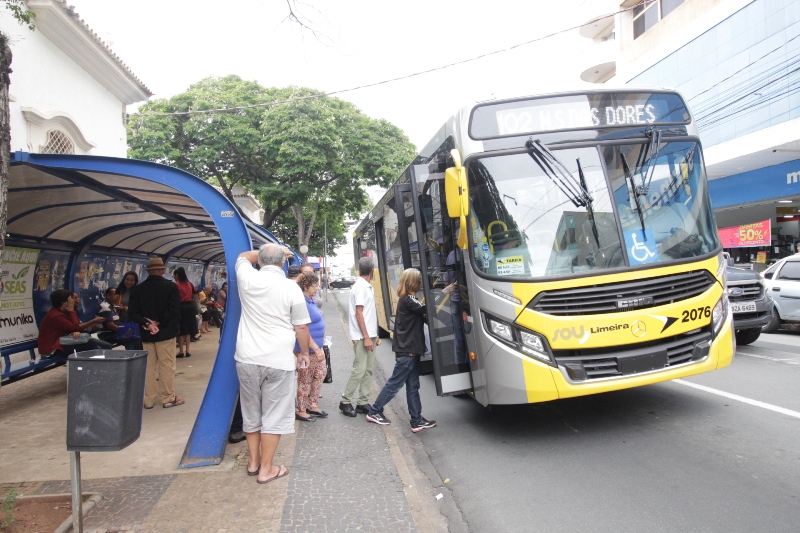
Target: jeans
(406, 372)
(458, 333)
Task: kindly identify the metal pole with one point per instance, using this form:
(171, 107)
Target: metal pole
(325, 260)
(77, 494)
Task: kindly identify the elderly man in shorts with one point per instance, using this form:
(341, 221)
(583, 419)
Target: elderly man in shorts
(274, 314)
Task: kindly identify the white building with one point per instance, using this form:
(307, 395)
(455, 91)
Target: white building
(734, 62)
(68, 91)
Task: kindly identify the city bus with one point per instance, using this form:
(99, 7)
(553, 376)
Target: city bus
(567, 246)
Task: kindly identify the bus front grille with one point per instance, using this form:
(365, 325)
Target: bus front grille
(624, 296)
(629, 360)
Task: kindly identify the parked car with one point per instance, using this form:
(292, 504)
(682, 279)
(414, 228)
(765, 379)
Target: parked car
(783, 284)
(751, 304)
(343, 283)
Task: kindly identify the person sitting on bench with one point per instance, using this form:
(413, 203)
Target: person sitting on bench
(62, 320)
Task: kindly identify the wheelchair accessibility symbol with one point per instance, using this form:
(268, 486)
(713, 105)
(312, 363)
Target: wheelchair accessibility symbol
(641, 246)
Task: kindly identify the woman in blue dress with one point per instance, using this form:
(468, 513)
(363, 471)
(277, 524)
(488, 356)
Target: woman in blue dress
(309, 380)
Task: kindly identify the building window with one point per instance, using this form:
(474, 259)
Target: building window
(648, 13)
(58, 142)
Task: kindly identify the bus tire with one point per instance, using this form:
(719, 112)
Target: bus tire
(773, 324)
(747, 336)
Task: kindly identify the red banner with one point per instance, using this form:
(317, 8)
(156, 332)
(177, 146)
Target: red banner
(756, 234)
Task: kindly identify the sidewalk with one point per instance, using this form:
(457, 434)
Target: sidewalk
(345, 475)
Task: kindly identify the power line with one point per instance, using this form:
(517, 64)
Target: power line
(399, 78)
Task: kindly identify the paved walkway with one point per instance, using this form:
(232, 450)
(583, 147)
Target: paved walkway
(346, 474)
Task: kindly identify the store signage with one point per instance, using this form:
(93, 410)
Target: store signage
(786, 210)
(17, 322)
(792, 177)
(756, 234)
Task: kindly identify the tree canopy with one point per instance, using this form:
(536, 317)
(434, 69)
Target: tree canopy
(307, 160)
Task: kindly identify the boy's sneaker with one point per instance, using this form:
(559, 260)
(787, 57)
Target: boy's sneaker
(423, 424)
(378, 418)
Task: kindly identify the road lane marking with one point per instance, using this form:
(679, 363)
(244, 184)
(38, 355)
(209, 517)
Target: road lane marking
(738, 398)
(785, 361)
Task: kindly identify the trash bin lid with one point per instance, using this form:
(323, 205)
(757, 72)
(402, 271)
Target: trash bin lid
(107, 355)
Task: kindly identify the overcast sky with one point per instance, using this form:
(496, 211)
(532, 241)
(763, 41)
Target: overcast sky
(170, 44)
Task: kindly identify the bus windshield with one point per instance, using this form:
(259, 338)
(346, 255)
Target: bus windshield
(530, 220)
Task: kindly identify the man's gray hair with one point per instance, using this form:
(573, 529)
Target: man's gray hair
(271, 254)
(365, 266)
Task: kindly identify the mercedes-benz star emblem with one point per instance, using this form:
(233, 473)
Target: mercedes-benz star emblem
(639, 328)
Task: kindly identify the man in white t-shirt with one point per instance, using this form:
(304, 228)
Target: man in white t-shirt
(274, 315)
(364, 334)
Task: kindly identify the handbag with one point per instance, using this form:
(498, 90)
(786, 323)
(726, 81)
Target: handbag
(69, 340)
(329, 375)
(129, 331)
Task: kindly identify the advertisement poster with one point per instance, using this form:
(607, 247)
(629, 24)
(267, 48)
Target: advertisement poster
(51, 274)
(17, 322)
(756, 234)
(216, 275)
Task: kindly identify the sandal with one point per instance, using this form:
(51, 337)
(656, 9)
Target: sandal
(177, 401)
(279, 475)
(249, 473)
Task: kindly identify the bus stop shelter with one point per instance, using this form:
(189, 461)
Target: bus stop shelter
(80, 222)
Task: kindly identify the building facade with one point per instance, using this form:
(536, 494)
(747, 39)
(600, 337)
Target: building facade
(736, 64)
(68, 92)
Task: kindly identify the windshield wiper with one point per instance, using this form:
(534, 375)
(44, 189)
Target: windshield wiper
(648, 156)
(558, 173)
(554, 169)
(629, 177)
(589, 208)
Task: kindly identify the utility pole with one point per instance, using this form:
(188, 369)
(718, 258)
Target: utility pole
(325, 260)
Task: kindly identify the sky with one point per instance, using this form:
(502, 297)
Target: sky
(170, 44)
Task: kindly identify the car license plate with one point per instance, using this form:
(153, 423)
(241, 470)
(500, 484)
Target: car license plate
(743, 307)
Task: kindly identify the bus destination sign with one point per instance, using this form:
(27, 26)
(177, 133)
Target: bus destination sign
(581, 111)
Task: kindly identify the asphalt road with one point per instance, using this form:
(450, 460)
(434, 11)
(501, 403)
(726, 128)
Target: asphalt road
(718, 452)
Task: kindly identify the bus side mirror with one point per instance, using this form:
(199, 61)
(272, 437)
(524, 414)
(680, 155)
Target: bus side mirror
(455, 183)
(452, 187)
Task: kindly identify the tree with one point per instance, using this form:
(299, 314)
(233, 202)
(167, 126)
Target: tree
(307, 156)
(23, 16)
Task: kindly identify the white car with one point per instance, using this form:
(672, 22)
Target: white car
(783, 284)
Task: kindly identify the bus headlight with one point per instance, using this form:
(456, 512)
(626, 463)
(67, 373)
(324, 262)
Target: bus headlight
(719, 313)
(533, 345)
(529, 343)
(500, 329)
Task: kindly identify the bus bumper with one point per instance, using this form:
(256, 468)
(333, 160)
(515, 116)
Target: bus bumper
(544, 383)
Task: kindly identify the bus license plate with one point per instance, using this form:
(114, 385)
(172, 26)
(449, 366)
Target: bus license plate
(743, 307)
(642, 363)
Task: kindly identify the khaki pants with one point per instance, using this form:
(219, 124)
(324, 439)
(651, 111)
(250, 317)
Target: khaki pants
(160, 355)
(361, 376)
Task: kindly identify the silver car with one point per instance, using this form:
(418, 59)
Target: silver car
(783, 284)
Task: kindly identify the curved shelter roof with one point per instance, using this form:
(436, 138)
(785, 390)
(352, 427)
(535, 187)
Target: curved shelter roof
(89, 204)
(108, 210)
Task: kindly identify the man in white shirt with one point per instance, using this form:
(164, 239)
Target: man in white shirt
(364, 333)
(274, 315)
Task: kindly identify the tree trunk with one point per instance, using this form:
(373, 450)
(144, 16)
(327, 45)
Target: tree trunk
(303, 231)
(5, 139)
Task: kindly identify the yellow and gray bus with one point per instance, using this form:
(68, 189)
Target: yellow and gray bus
(567, 244)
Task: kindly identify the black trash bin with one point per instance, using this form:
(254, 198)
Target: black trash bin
(105, 395)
